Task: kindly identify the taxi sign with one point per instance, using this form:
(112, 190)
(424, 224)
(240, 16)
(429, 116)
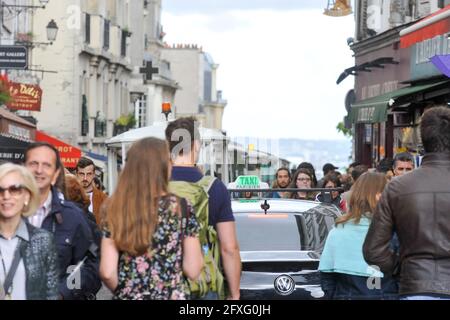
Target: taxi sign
(247, 182)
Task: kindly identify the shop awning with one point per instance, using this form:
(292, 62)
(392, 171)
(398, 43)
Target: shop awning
(434, 25)
(11, 149)
(69, 154)
(100, 161)
(374, 110)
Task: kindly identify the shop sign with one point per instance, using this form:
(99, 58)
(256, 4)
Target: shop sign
(19, 132)
(13, 57)
(69, 154)
(24, 97)
(366, 114)
(12, 154)
(439, 45)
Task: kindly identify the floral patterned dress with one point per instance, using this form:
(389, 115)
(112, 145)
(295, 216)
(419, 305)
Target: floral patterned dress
(158, 274)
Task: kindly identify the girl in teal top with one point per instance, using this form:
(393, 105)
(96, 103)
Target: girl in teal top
(344, 272)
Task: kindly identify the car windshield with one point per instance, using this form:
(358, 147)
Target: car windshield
(257, 232)
(284, 231)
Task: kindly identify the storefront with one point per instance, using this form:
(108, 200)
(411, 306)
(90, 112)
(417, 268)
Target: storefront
(391, 97)
(389, 123)
(379, 72)
(15, 136)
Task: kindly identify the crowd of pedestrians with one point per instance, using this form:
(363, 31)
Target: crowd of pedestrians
(168, 231)
(393, 239)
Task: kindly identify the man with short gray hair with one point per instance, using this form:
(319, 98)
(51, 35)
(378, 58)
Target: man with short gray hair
(403, 163)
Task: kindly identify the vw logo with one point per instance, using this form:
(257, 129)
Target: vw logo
(284, 285)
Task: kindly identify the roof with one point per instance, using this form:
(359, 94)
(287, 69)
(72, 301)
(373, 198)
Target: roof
(11, 116)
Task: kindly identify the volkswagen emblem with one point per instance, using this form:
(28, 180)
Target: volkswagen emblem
(284, 285)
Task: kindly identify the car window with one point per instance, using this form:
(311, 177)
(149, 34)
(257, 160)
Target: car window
(267, 234)
(305, 231)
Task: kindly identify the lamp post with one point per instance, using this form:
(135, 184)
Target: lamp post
(52, 31)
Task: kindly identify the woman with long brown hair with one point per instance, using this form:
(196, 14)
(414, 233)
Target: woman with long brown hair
(344, 272)
(302, 179)
(151, 236)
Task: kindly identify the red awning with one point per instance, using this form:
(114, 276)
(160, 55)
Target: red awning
(69, 154)
(434, 25)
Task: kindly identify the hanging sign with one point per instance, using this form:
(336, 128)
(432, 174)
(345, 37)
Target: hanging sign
(24, 97)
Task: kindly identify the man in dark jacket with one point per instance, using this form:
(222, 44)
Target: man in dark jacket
(73, 236)
(416, 207)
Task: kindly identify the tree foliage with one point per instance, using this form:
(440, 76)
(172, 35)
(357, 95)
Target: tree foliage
(345, 131)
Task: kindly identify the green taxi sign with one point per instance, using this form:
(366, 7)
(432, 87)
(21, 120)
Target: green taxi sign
(248, 182)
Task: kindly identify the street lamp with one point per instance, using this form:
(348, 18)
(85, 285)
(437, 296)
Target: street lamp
(52, 30)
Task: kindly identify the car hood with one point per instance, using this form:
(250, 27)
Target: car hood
(261, 256)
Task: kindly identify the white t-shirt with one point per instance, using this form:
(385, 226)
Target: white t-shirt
(91, 206)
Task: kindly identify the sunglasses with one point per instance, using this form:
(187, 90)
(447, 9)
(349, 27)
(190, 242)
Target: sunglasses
(14, 190)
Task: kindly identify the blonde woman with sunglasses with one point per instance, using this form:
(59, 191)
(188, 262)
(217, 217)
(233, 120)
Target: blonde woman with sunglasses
(28, 259)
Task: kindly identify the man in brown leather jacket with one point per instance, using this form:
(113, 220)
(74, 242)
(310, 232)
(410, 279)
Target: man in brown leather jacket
(416, 207)
(85, 174)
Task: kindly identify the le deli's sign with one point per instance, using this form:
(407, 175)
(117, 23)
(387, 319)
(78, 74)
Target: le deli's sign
(24, 97)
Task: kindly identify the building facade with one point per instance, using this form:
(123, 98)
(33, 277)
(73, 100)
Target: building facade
(395, 79)
(196, 74)
(99, 87)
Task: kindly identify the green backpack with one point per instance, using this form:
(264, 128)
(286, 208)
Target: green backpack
(211, 277)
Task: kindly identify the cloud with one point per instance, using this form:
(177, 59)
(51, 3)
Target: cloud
(278, 69)
(219, 6)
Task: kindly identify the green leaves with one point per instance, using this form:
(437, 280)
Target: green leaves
(346, 132)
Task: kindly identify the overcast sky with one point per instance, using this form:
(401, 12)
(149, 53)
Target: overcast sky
(279, 61)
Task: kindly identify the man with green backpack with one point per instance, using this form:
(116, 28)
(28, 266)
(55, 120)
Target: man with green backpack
(212, 207)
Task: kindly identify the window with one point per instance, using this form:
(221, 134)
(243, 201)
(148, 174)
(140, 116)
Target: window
(142, 112)
(84, 117)
(207, 85)
(123, 45)
(146, 42)
(87, 35)
(106, 35)
(100, 127)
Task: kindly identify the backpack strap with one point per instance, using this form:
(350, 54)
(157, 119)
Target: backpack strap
(14, 265)
(184, 216)
(206, 183)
